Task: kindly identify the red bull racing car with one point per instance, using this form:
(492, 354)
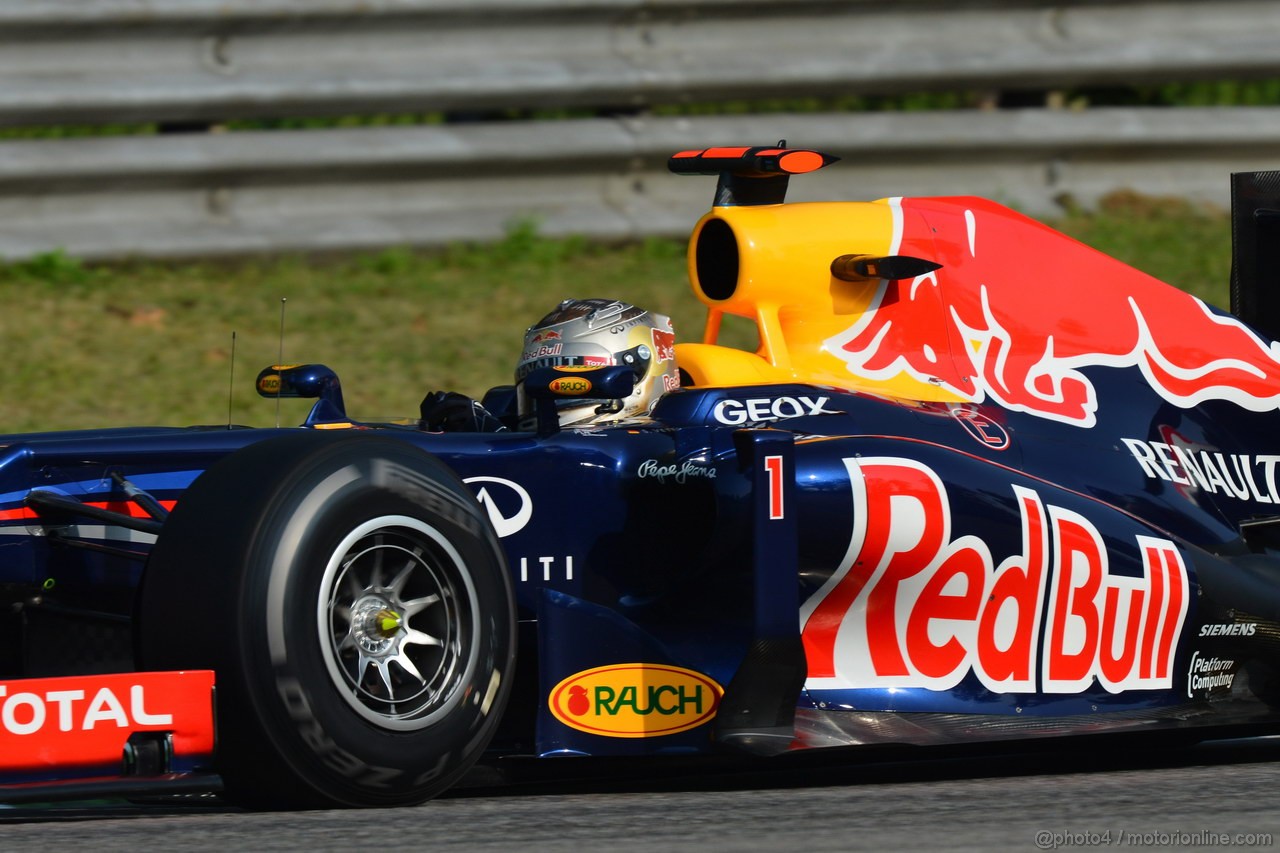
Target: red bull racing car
(977, 482)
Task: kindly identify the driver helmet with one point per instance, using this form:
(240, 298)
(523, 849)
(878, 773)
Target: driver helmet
(598, 333)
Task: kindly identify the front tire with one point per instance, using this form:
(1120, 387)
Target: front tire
(356, 608)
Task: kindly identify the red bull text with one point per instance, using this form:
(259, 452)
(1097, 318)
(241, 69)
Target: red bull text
(911, 606)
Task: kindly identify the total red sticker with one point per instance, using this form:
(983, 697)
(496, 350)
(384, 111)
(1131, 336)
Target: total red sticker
(86, 720)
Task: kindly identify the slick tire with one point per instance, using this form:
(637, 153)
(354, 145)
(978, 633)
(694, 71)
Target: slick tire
(355, 606)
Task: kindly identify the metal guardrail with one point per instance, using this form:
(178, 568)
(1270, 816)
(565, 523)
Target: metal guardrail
(187, 60)
(213, 194)
(198, 62)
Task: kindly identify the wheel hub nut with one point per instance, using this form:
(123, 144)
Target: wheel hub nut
(388, 622)
(375, 625)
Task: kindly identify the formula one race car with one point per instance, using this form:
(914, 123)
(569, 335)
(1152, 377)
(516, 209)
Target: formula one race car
(978, 482)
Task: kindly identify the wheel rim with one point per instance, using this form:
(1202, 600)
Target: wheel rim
(398, 622)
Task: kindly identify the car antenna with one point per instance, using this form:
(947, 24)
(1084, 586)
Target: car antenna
(231, 382)
(280, 361)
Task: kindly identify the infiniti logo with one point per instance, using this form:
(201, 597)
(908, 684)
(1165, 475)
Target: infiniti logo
(508, 504)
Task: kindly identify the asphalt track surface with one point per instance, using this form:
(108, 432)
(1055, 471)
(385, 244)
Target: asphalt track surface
(1097, 796)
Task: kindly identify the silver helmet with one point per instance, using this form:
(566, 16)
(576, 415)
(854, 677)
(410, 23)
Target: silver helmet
(598, 333)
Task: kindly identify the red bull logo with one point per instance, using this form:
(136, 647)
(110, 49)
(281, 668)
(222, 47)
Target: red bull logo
(548, 335)
(542, 351)
(911, 606)
(664, 345)
(1017, 313)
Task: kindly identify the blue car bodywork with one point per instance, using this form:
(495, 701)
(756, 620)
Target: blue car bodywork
(758, 567)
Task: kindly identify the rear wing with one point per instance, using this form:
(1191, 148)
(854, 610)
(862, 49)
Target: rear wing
(1255, 250)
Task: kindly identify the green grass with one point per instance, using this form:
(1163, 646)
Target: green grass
(150, 343)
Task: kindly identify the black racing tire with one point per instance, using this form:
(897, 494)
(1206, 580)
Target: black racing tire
(354, 603)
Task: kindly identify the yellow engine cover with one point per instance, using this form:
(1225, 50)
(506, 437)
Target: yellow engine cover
(772, 264)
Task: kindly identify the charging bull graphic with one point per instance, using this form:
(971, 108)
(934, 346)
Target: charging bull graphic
(1017, 312)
